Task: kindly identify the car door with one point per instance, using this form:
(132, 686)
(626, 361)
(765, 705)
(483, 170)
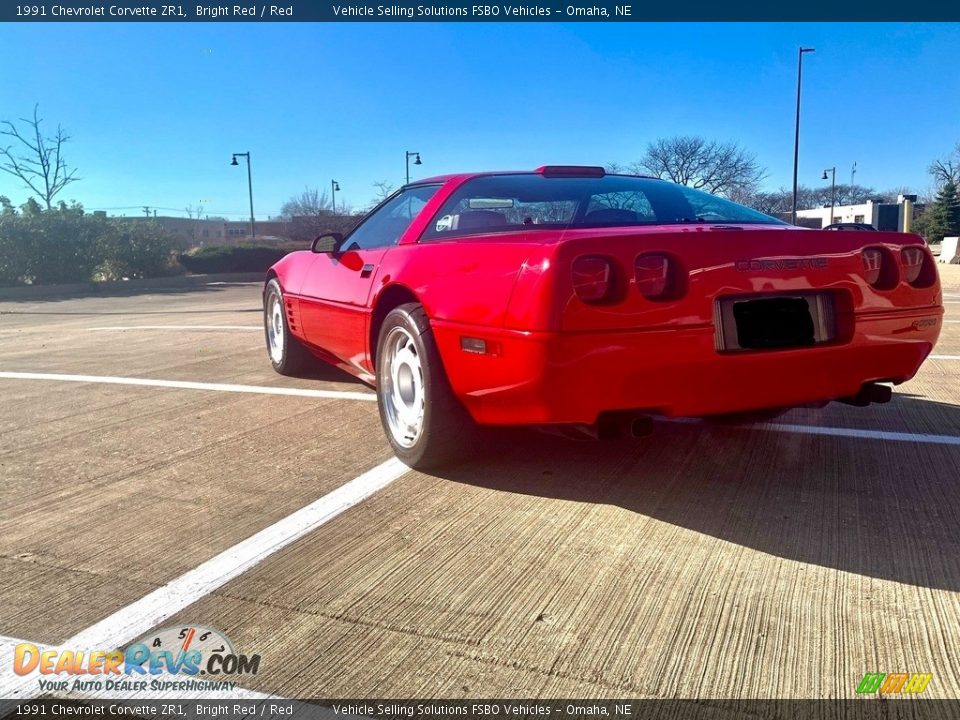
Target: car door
(334, 297)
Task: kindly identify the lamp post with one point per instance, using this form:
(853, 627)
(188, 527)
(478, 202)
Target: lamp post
(796, 135)
(334, 188)
(833, 188)
(253, 229)
(410, 154)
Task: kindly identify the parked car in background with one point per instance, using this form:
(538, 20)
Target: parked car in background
(570, 298)
(859, 227)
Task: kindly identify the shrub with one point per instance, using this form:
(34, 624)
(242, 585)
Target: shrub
(134, 249)
(232, 258)
(66, 245)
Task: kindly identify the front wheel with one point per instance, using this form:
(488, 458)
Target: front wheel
(287, 354)
(424, 422)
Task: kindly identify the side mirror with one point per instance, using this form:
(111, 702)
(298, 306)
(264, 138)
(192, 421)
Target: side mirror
(327, 243)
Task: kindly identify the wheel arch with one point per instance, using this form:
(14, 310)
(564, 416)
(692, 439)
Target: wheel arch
(271, 275)
(390, 297)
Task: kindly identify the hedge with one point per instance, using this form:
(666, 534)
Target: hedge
(232, 258)
(66, 246)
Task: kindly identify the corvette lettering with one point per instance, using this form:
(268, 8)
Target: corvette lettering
(812, 263)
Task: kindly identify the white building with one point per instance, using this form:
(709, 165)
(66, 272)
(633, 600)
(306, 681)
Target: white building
(882, 215)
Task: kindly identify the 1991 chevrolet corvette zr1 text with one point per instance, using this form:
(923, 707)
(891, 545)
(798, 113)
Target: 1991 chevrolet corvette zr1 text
(569, 297)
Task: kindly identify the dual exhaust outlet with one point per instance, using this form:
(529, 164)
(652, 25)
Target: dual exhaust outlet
(870, 393)
(631, 424)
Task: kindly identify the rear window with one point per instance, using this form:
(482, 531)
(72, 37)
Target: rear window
(507, 203)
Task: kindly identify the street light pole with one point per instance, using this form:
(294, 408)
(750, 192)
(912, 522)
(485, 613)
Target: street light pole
(334, 186)
(410, 154)
(833, 188)
(253, 228)
(796, 135)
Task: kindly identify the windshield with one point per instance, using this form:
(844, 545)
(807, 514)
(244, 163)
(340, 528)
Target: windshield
(498, 203)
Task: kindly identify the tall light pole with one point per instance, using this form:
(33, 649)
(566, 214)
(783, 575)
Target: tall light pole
(853, 174)
(253, 228)
(796, 135)
(334, 187)
(833, 188)
(410, 154)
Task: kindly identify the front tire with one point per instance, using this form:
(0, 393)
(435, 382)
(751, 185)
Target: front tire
(423, 420)
(288, 356)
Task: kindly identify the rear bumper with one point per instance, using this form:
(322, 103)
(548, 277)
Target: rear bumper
(538, 378)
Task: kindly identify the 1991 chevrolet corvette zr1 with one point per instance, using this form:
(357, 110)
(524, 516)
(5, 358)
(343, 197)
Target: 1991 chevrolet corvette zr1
(568, 297)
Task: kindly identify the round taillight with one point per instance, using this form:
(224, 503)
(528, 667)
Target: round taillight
(912, 259)
(872, 265)
(658, 276)
(593, 278)
(879, 268)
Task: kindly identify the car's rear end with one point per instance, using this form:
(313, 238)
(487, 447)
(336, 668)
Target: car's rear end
(696, 318)
(723, 321)
(702, 319)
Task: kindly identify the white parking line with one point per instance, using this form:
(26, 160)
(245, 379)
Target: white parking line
(925, 438)
(122, 328)
(190, 385)
(944, 357)
(133, 621)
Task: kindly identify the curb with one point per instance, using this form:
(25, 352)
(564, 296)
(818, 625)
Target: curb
(121, 287)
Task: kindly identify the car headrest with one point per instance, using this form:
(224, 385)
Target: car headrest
(612, 215)
(472, 219)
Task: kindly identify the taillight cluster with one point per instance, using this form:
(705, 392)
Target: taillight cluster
(657, 276)
(912, 258)
(593, 278)
(883, 270)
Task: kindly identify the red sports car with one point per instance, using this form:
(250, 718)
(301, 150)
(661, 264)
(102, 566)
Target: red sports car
(571, 298)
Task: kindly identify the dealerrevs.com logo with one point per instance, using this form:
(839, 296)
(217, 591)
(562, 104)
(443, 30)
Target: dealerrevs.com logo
(173, 658)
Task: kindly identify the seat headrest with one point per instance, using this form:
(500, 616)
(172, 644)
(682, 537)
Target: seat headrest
(472, 219)
(612, 215)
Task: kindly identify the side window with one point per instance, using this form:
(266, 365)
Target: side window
(384, 226)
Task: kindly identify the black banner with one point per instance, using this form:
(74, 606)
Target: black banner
(456, 11)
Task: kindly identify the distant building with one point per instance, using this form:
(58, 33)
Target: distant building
(190, 232)
(882, 215)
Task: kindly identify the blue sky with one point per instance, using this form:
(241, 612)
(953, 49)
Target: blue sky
(155, 110)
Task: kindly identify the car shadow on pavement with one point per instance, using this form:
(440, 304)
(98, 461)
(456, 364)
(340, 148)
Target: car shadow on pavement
(877, 508)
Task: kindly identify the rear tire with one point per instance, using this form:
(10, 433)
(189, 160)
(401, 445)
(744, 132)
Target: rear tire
(287, 354)
(425, 423)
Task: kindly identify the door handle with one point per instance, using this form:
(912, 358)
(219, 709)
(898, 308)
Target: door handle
(367, 270)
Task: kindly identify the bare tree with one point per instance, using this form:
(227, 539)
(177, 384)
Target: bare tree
(35, 159)
(384, 189)
(946, 169)
(195, 214)
(310, 213)
(311, 203)
(723, 168)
